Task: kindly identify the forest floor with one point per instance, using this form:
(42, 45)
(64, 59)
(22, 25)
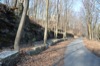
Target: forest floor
(93, 46)
(46, 58)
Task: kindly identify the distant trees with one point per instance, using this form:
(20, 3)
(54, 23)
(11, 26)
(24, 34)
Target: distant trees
(91, 16)
(59, 16)
(19, 4)
(67, 16)
(89, 7)
(7, 2)
(97, 27)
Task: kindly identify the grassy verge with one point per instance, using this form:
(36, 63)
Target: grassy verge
(93, 46)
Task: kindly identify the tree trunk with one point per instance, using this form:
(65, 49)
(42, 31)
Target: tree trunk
(21, 25)
(89, 31)
(35, 8)
(46, 23)
(65, 26)
(64, 33)
(56, 35)
(19, 5)
(15, 3)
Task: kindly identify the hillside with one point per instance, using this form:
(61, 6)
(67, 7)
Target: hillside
(8, 27)
(33, 29)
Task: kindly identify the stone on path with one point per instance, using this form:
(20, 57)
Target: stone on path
(9, 58)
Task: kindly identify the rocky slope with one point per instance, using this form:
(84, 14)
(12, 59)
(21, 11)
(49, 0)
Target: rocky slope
(9, 24)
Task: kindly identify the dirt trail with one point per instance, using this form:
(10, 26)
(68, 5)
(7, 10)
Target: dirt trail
(47, 57)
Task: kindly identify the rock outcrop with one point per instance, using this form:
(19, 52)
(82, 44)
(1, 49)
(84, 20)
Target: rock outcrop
(9, 24)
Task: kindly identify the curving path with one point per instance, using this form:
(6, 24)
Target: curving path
(77, 54)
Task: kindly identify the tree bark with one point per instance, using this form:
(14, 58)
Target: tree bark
(21, 25)
(65, 25)
(35, 9)
(56, 35)
(15, 3)
(89, 31)
(46, 23)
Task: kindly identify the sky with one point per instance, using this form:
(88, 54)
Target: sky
(77, 5)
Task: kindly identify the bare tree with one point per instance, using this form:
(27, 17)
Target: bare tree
(6, 2)
(46, 23)
(67, 15)
(92, 13)
(21, 25)
(89, 10)
(35, 8)
(15, 3)
(58, 17)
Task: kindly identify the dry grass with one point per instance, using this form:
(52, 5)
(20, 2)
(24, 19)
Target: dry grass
(47, 57)
(93, 46)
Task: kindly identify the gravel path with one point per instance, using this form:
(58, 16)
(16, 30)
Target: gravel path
(77, 54)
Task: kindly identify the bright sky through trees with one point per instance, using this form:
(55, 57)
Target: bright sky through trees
(77, 5)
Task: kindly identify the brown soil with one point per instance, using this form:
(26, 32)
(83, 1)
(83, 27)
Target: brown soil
(93, 46)
(53, 55)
